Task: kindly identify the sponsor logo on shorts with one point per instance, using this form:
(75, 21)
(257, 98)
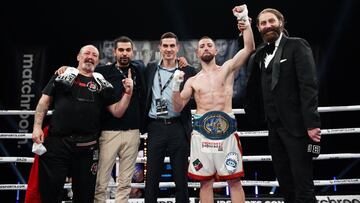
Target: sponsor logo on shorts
(197, 164)
(211, 146)
(94, 168)
(231, 162)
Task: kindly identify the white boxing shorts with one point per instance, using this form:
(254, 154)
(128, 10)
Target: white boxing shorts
(210, 154)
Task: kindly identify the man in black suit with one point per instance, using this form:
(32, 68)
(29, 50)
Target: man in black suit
(168, 131)
(283, 90)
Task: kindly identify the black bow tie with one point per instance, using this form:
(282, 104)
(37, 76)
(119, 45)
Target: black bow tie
(269, 48)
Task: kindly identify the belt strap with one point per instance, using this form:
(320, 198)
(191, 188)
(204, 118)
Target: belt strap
(166, 121)
(84, 144)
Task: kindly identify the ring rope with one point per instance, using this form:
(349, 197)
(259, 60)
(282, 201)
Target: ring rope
(261, 133)
(167, 159)
(236, 111)
(197, 184)
(245, 183)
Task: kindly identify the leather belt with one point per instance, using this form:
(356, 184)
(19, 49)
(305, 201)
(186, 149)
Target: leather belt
(84, 144)
(166, 121)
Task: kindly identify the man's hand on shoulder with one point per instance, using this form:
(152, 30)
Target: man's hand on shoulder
(182, 62)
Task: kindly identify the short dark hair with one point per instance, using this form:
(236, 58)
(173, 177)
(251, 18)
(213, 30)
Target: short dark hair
(206, 37)
(169, 35)
(123, 39)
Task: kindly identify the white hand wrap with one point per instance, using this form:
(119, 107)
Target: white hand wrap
(177, 80)
(101, 81)
(243, 15)
(68, 77)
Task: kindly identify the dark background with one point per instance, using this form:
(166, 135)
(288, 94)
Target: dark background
(62, 27)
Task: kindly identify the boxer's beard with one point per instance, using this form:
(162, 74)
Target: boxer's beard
(124, 61)
(271, 34)
(207, 57)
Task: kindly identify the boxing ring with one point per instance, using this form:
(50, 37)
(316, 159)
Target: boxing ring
(254, 183)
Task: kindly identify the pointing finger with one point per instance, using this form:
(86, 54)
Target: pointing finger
(129, 73)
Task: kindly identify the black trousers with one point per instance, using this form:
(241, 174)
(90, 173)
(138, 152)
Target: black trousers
(167, 138)
(293, 165)
(65, 157)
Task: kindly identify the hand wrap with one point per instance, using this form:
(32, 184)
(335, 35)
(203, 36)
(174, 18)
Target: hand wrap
(243, 15)
(177, 80)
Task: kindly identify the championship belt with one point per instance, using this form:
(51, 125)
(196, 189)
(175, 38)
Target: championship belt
(215, 125)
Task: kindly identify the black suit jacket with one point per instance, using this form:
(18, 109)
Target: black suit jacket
(294, 86)
(150, 72)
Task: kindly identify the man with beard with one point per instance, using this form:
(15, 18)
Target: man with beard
(79, 96)
(120, 137)
(215, 148)
(283, 90)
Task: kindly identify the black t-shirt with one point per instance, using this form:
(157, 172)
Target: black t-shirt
(77, 109)
(132, 117)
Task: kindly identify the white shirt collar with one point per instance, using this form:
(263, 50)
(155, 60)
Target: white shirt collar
(277, 42)
(176, 64)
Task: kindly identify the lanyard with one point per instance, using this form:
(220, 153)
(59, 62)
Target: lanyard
(121, 72)
(167, 82)
(125, 76)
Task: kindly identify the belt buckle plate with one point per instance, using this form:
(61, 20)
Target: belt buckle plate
(215, 125)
